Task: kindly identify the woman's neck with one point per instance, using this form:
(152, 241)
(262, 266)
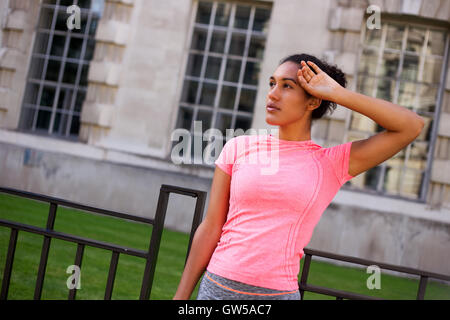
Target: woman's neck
(295, 132)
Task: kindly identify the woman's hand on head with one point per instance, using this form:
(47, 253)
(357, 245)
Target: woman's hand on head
(318, 84)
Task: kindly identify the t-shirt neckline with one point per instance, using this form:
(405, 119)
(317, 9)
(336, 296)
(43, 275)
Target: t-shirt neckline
(292, 142)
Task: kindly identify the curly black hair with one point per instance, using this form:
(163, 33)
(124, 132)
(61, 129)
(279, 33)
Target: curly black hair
(332, 70)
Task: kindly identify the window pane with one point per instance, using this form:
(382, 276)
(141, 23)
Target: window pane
(47, 97)
(391, 179)
(213, 68)
(427, 98)
(75, 47)
(199, 39)
(251, 74)
(418, 156)
(227, 97)
(90, 47)
(256, 49)
(205, 118)
(222, 14)
(58, 46)
(394, 37)
(371, 178)
(36, 68)
(65, 99)
(416, 39)
(243, 123)
(70, 73)
(432, 70)
(262, 16)
(45, 19)
(237, 45)
(368, 64)
(373, 37)
(185, 118)
(75, 125)
(203, 12)
(84, 75)
(389, 65)
(81, 96)
(407, 94)
(410, 69)
(41, 43)
(189, 91)
(53, 70)
(386, 89)
(31, 93)
(194, 65)
(412, 181)
(242, 17)
(232, 70)
(208, 94)
(366, 85)
(436, 43)
(218, 42)
(43, 120)
(223, 122)
(247, 100)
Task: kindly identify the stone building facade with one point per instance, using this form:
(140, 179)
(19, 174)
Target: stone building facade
(101, 132)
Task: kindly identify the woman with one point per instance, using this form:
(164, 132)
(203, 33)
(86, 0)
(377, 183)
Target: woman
(256, 226)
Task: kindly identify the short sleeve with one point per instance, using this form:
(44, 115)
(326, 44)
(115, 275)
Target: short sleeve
(227, 156)
(340, 159)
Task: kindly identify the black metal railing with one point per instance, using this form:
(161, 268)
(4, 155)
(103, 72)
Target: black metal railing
(339, 294)
(150, 256)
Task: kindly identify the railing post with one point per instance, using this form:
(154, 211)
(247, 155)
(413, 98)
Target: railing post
(422, 287)
(78, 260)
(44, 252)
(9, 264)
(155, 241)
(111, 275)
(305, 272)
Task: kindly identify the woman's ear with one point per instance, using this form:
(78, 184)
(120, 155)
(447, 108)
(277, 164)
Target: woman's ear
(314, 103)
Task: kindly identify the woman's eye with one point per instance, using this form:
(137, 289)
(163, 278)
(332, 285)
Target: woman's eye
(287, 86)
(271, 84)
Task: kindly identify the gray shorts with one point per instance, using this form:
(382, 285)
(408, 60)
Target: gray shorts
(214, 287)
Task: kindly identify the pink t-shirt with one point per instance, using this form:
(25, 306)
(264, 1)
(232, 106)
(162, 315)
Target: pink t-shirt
(279, 189)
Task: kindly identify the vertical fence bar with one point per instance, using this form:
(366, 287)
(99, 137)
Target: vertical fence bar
(9, 264)
(111, 275)
(78, 260)
(305, 272)
(44, 252)
(198, 215)
(422, 287)
(155, 241)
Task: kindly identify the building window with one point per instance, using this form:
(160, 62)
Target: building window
(57, 78)
(404, 64)
(225, 55)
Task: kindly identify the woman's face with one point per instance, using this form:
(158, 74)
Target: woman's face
(287, 101)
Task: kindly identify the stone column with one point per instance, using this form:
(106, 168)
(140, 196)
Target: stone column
(18, 19)
(105, 70)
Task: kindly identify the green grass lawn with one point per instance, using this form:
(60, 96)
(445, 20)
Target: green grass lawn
(95, 264)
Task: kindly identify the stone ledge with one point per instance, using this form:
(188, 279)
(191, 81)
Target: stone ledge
(17, 20)
(97, 113)
(11, 58)
(104, 72)
(113, 32)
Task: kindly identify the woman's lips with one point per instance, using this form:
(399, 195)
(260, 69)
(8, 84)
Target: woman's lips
(272, 108)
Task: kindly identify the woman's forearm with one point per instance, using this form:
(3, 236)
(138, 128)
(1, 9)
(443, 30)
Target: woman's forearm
(203, 246)
(388, 115)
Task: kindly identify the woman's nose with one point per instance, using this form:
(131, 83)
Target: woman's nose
(273, 93)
